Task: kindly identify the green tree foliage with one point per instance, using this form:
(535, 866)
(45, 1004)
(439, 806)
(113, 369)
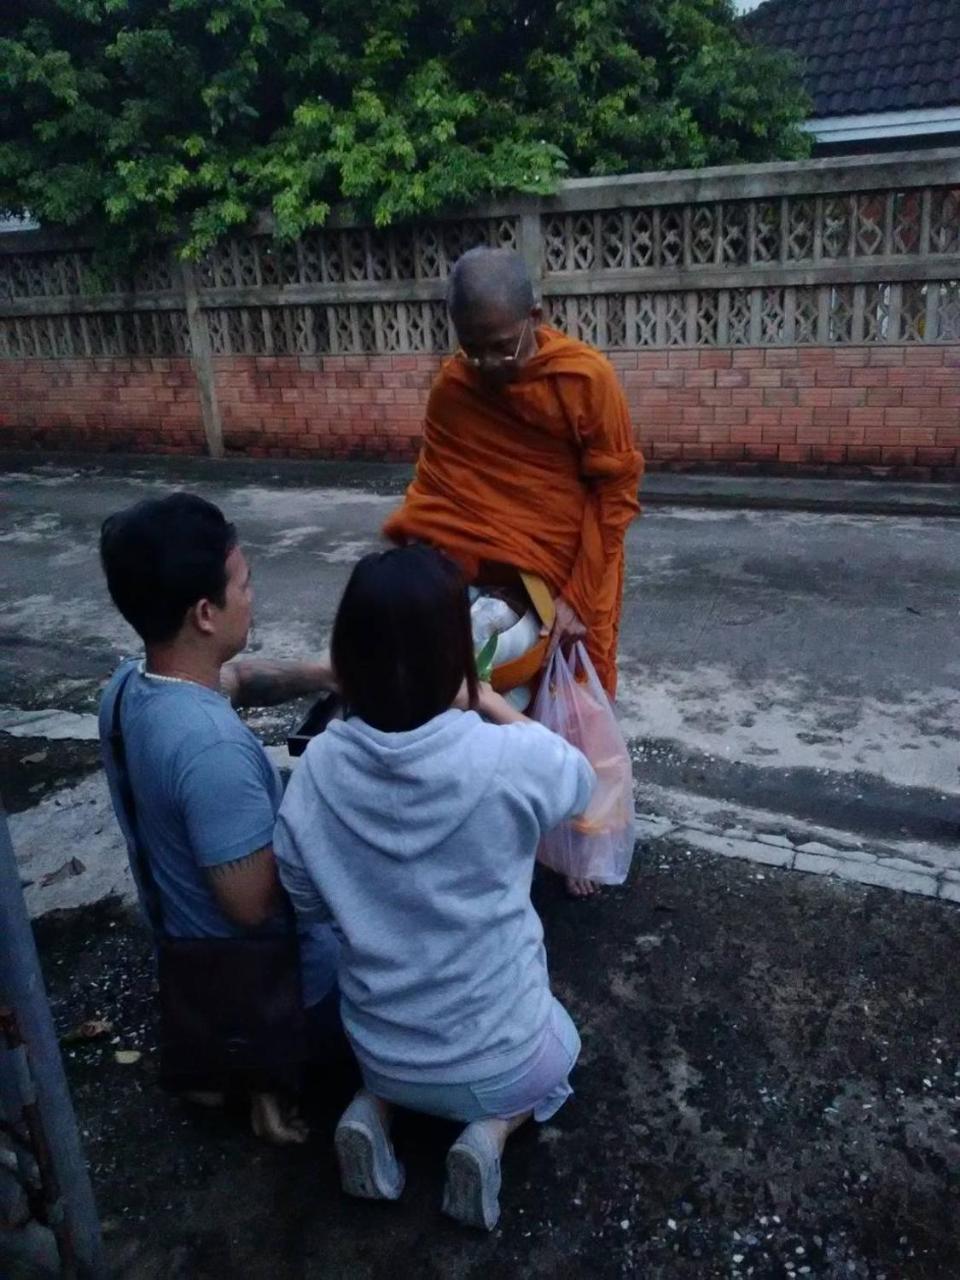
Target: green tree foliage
(135, 118)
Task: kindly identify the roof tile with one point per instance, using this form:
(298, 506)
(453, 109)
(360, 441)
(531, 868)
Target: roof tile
(890, 55)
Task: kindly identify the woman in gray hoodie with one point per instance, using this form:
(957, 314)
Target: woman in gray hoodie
(413, 826)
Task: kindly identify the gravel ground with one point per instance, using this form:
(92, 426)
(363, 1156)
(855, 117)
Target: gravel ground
(770, 1087)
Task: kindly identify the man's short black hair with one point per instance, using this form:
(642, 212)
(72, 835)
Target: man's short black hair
(402, 644)
(163, 555)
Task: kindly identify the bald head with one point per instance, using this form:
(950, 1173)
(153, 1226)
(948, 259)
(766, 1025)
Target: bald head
(487, 282)
(495, 313)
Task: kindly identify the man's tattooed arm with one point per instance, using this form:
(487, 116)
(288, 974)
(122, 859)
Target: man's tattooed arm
(247, 889)
(252, 682)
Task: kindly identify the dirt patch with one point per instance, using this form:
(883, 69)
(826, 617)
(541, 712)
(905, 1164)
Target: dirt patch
(770, 1086)
(31, 768)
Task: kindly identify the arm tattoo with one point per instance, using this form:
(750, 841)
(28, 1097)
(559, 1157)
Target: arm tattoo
(223, 870)
(256, 683)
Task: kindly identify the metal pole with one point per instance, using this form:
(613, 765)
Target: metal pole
(46, 1108)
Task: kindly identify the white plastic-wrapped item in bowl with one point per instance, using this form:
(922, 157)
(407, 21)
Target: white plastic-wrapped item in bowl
(520, 638)
(519, 698)
(493, 616)
(490, 616)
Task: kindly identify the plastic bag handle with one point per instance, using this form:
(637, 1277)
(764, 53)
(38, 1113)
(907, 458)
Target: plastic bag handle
(578, 654)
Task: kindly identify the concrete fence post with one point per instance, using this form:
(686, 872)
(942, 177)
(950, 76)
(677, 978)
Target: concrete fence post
(201, 357)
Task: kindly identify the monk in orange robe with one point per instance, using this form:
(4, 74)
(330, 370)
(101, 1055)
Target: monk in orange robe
(528, 456)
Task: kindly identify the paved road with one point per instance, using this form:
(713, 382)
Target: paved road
(804, 663)
(769, 1084)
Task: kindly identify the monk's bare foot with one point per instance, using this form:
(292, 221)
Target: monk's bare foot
(581, 888)
(276, 1122)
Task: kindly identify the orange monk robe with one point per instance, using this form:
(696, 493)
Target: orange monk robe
(541, 474)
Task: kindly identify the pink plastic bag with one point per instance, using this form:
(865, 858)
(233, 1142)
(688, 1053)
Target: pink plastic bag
(597, 845)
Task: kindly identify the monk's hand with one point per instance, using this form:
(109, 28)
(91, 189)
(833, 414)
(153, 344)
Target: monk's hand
(567, 626)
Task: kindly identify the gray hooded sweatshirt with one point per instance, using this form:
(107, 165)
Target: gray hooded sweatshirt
(420, 847)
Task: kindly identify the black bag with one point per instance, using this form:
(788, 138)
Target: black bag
(231, 1009)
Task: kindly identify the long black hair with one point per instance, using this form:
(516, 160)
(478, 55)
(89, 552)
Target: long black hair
(402, 644)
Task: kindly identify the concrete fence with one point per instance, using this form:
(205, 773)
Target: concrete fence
(779, 316)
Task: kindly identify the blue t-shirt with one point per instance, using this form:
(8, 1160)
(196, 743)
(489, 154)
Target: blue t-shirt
(206, 793)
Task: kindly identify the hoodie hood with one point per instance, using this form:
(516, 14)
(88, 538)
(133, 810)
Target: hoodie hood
(404, 793)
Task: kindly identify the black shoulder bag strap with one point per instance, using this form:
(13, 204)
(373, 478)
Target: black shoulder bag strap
(231, 1009)
(138, 854)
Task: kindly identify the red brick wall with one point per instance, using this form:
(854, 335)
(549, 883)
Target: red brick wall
(102, 405)
(798, 407)
(324, 406)
(895, 408)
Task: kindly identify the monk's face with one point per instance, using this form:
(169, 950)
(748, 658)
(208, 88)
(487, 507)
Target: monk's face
(497, 344)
